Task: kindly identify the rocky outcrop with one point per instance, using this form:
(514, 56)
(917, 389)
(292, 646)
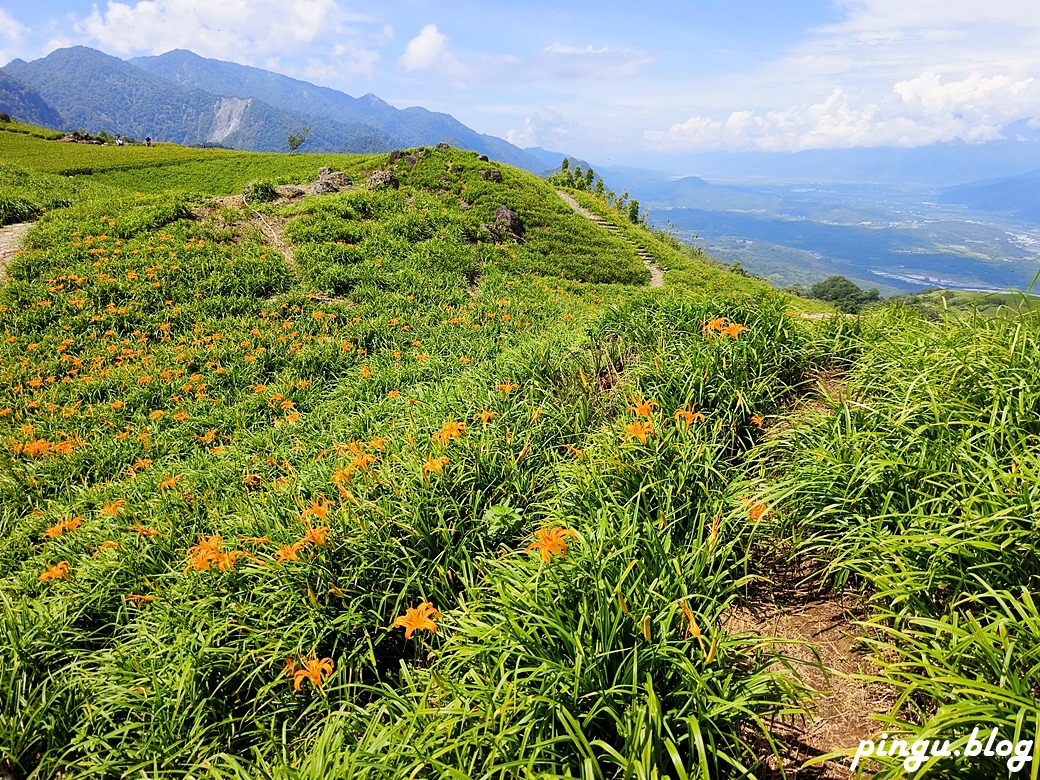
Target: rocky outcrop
(507, 225)
(382, 180)
(227, 118)
(330, 181)
(507, 219)
(494, 175)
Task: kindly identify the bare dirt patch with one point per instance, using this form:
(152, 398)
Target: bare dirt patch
(11, 237)
(818, 395)
(818, 632)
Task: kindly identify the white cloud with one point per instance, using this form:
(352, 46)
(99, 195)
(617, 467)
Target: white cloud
(545, 127)
(916, 112)
(890, 72)
(242, 30)
(11, 34)
(343, 61)
(425, 49)
(10, 28)
(562, 61)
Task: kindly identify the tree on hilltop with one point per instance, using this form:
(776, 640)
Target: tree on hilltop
(846, 295)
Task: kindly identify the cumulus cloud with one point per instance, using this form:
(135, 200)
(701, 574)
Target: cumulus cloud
(229, 29)
(11, 34)
(889, 73)
(545, 127)
(10, 28)
(916, 112)
(425, 49)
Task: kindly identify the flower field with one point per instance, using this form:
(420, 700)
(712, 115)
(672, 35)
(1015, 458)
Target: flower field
(337, 486)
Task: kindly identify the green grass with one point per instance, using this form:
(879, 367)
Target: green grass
(218, 460)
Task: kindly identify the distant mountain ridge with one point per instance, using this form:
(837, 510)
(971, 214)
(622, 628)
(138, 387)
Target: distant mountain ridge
(182, 97)
(1019, 195)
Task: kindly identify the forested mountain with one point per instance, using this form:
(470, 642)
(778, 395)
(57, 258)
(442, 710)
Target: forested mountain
(97, 92)
(187, 99)
(406, 127)
(25, 104)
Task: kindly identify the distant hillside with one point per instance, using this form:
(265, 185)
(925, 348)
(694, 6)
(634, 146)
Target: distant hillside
(1019, 195)
(98, 92)
(405, 127)
(940, 164)
(187, 99)
(25, 104)
(552, 160)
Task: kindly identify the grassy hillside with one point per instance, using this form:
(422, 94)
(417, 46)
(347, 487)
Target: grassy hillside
(339, 486)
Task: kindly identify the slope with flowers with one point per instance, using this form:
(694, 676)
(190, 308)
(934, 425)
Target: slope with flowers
(422, 502)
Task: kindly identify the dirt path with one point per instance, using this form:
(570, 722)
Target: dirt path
(815, 628)
(10, 243)
(272, 228)
(656, 275)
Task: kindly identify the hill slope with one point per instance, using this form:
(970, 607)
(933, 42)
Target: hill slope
(25, 104)
(379, 479)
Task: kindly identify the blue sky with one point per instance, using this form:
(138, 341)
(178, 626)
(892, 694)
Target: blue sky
(627, 82)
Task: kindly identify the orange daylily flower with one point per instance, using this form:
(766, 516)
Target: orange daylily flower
(507, 387)
(757, 419)
(114, 507)
(644, 408)
(484, 416)
(59, 528)
(211, 551)
(313, 670)
(692, 629)
(144, 530)
(688, 415)
(550, 541)
(434, 464)
(59, 571)
(734, 330)
(449, 431)
(289, 552)
(755, 511)
(639, 430)
(716, 324)
(316, 535)
(418, 617)
(319, 508)
(170, 482)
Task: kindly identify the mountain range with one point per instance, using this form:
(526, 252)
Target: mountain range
(187, 99)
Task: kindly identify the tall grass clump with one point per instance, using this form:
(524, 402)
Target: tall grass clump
(920, 491)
